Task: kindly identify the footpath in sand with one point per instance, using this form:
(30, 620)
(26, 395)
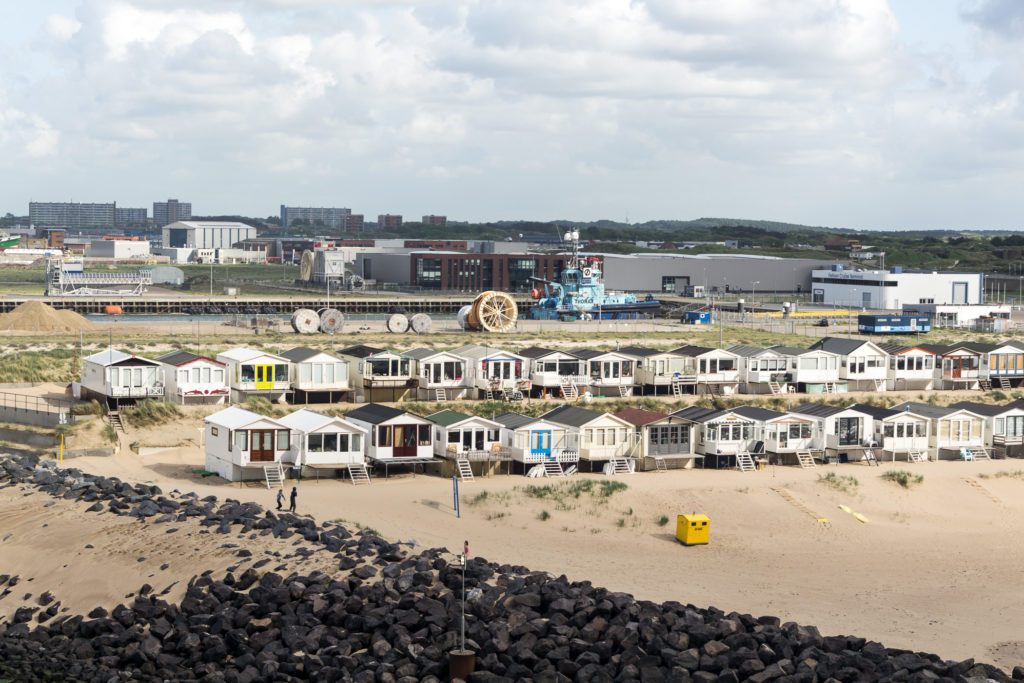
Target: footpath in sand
(935, 569)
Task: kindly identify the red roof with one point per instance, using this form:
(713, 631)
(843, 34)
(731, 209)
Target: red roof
(638, 416)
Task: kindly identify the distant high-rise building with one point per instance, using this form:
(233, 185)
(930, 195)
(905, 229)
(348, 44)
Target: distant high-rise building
(330, 217)
(171, 211)
(389, 221)
(72, 214)
(353, 223)
(131, 215)
(435, 220)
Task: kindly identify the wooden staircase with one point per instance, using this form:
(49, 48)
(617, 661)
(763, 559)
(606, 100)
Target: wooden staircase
(830, 387)
(777, 388)
(805, 459)
(625, 391)
(677, 388)
(985, 384)
(359, 474)
(274, 474)
(115, 421)
(879, 384)
(553, 468)
(915, 455)
(570, 392)
(440, 395)
(869, 458)
(619, 466)
(464, 470)
(745, 462)
(1004, 383)
(659, 464)
(977, 453)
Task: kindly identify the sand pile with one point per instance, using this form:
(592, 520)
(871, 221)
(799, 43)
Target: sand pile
(35, 316)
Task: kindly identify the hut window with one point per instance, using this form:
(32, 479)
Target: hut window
(492, 435)
(280, 373)
(453, 437)
(342, 443)
(304, 372)
(242, 440)
(283, 439)
(213, 431)
(331, 442)
(206, 375)
(999, 425)
(316, 443)
(248, 373)
(357, 442)
(384, 436)
(425, 435)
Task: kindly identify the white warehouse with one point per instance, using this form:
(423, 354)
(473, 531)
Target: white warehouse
(894, 288)
(206, 234)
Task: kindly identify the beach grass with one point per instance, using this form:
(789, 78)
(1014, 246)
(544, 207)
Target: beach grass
(903, 478)
(839, 482)
(149, 412)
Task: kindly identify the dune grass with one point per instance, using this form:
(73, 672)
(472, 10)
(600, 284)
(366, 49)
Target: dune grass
(840, 482)
(903, 478)
(148, 412)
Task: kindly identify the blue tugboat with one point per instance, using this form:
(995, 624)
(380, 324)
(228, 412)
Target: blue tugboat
(580, 295)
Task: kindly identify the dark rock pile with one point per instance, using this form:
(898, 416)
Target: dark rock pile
(390, 614)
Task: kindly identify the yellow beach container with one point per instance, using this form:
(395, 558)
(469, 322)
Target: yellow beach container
(693, 529)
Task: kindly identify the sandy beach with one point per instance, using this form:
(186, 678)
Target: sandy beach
(934, 569)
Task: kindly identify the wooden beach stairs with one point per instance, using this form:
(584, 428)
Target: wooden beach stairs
(619, 466)
(570, 392)
(795, 502)
(659, 464)
(915, 455)
(464, 470)
(359, 474)
(274, 474)
(440, 395)
(805, 459)
(745, 462)
(553, 468)
(115, 421)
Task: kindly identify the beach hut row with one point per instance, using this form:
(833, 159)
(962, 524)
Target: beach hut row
(367, 374)
(241, 444)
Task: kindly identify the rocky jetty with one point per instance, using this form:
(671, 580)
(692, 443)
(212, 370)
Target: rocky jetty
(392, 613)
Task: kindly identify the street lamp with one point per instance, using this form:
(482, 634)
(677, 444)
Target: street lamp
(753, 291)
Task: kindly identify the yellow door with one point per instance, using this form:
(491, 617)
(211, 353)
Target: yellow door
(264, 376)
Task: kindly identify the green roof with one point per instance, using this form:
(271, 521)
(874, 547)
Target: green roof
(446, 418)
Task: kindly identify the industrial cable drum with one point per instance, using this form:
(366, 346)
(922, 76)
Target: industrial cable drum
(398, 323)
(331, 320)
(463, 317)
(493, 312)
(305, 321)
(421, 323)
(306, 266)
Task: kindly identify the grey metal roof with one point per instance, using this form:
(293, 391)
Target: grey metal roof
(923, 409)
(115, 357)
(360, 351)
(691, 350)
(641, 351)
(817, 409)
(422, 353)
(514, 420)
(790, 350)
(755, 413)
(840, 345)
(696, 413)
(301, 353)
(571, 415)
(539, 352)
(374, 413)
(182, 357)
(987, 409)
(877, 412)
(746, 351)
(587, 354)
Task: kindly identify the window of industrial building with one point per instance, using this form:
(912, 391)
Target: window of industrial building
(668, 283)
(520, 270)
(428, 273)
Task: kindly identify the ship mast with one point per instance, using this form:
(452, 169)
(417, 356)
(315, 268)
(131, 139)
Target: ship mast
(573, 238)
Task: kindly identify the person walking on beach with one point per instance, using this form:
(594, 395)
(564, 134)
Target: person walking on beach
(280, 498)
(295, 494)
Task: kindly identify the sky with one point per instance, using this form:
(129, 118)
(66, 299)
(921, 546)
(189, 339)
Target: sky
(860, 114)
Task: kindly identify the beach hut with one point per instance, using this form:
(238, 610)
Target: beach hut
(662, 372)
(115, 377)
(194, 379)
(951, 430)
(496, 374)
(252, 372)
(863, 365)
(717, 369)
(785, 369)
(664, 441)
(395, 436)
(378, 374)
(240, 444)
(317, 376)
(843, 432)
(723, 434)
(600, 436)
(960, 365)
(442, 375)
(911, 367)
(555, 373)
(471, 439)
(536, 441)
(900, 434)
(611, 373)
(323, 442)
(1004, 425)
(1004, 363)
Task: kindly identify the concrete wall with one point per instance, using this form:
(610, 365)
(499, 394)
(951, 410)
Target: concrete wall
(31, 417)
(644, 272)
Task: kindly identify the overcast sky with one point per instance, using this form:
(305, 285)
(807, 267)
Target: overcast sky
(868, 114)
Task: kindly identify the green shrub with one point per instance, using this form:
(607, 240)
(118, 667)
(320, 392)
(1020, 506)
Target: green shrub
(544, 515)
(839, 482)
(92, 407)
(663, 520)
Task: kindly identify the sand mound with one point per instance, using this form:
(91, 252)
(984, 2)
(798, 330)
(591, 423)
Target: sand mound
(35, 316)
